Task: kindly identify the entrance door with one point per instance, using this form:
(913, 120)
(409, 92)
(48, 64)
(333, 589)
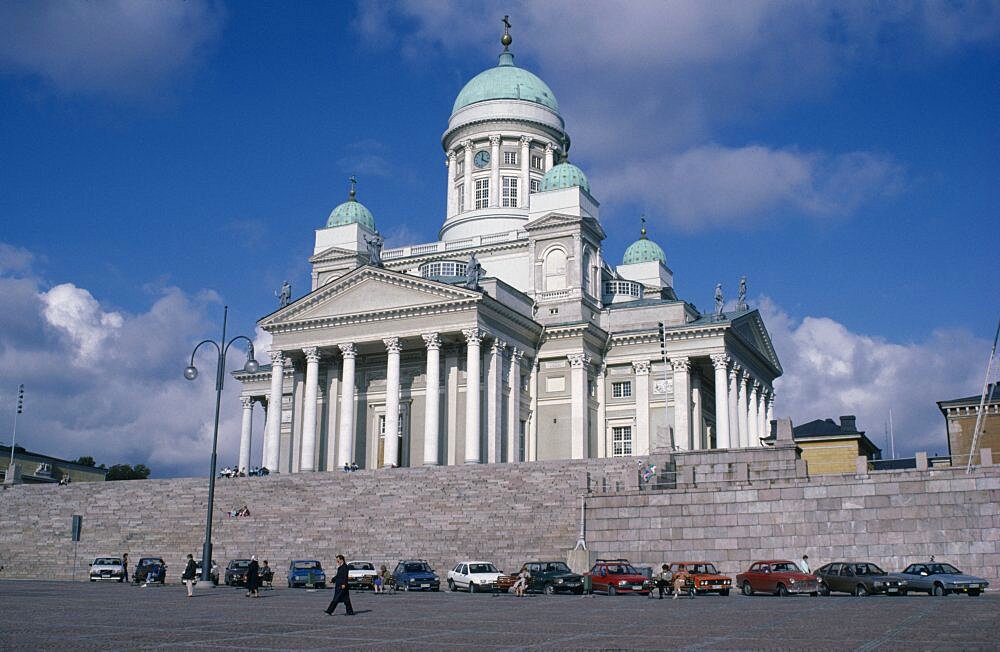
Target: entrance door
(402, 430)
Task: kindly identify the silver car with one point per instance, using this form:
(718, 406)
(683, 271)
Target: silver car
(941, 579)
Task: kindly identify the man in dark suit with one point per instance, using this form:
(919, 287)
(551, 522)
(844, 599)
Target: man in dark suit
(341, 590)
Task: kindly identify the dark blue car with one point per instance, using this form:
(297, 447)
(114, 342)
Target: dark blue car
(150, 570)
(306, 572)
(415, 575)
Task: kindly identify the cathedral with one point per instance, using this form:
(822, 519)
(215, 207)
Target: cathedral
(515, 336)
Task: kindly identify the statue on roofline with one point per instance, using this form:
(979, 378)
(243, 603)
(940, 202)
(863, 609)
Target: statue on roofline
(285, 296)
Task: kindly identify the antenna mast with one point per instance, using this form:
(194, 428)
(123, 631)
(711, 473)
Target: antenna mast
(982, 401)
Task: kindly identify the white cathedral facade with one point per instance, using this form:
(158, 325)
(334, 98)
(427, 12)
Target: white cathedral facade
(544, 349)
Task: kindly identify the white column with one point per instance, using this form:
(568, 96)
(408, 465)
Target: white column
(390, 454)
(579, 401)
(494, 390)
(741, 407)
(549, 158)
(272, 435)
(682, 403)
(345, 447)
(721, 363)
(432, 396)
(532, 451)
(331, 427)
(451, 367)
(752, 405)
(468, 176)
(473, 336)
(514, 407)
(450, 164)
(602, 413)
(643, 437)
(247, 403)
(308, 455)
(770, 407)
(495, 171)
(734, 422)
(697, 431)
(525, 189)
(762, 411)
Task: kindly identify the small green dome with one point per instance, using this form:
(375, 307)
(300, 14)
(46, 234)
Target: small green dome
(351, 212)
(506, 82)
(643, 250)
(565, 175)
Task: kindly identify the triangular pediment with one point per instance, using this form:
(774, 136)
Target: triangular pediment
(333, 254)
(368, 290)
(750, 328)
(556, 221)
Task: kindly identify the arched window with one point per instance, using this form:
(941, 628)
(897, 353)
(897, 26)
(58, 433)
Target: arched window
(555, 270)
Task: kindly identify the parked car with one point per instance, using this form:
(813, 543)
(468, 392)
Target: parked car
(858, 578)
(613, 576)
(236, 572)
(415, 575)
(551, 577)
(306, 572)
(107, 568)
(703, 577)
(473, 575)
(150, 570)
(778, 576)
(941, 579)
(213, 573)
(360, 574)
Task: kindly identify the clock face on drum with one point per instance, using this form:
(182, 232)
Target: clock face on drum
(482, 158)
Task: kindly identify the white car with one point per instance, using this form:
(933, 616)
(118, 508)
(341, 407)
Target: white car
(473, 576)
(107, 568)
(357, 571)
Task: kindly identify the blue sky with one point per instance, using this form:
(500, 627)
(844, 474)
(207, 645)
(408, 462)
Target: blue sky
(161, 159)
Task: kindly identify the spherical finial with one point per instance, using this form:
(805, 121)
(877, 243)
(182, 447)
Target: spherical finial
(354, 188)
(506, 40)
(642, 232)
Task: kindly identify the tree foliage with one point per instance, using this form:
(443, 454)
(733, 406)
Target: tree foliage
(128, 472)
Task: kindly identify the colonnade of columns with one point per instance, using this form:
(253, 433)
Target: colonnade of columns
(467, 149)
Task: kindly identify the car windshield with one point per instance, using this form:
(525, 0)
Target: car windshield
(305, 565)
(708, 569)
(107, 561)
(784, 567)
(482, 568)
(416, 568)
(360, 565)
(239, 563)
(557, 567)
(944, 569)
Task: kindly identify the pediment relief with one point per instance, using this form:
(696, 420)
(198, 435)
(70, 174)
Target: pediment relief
(750, 328)
(333, 254)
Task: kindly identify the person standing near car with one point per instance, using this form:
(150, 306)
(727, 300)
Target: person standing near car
(253, 577)
(341, 589)
(804, 564)
(189, 575)
(125, 567)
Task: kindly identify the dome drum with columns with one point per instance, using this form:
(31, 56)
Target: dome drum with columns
(512, 338)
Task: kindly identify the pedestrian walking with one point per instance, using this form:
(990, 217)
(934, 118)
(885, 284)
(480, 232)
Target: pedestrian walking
(125, 567)
(190, 575)
(253, 577)
(804, 564)
(341, 589)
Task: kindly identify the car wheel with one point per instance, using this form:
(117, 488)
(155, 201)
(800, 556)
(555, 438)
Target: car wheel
(92, 579)
(939, 590)
(903, 592)
(782, 591)
(974, 593)
(550, 589)
(860, 591)
(289, 584)
(472, 587)
(722, 592)
(451, 585)
(747, 589)
(611, 591)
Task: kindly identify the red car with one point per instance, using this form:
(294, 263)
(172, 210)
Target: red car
(777, 576)
(613, 576)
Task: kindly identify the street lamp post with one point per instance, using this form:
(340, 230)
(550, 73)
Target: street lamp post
(191, 372)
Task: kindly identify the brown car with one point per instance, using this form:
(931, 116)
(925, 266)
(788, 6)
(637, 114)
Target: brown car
(703, 576)
(777, 576)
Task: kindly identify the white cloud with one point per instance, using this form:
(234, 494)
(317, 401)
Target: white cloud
(77, 314)
(831, 371)
(14, 259)
(117, 48)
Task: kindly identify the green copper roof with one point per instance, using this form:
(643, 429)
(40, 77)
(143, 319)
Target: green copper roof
(351, 212)
(506, 82)
(565, 175)
(643, 250)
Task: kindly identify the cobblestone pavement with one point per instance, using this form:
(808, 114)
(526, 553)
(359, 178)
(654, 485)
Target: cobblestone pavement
(85, 616)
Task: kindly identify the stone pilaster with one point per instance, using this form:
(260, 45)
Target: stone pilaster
(494, 391)
(495, 190)
(469, 188)
(514, 406)
(579, 399)
(642, 440)
(682, 403)
(524, 199)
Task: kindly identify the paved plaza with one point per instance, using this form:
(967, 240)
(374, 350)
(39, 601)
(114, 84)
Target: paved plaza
(84, 616)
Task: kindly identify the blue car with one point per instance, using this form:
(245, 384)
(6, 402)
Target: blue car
(150, 570)
(306, 572)
(415, 575)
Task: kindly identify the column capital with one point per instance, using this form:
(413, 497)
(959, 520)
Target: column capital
(495, 140)
(392, 344)
(516, 355)
(720, 360)
(734, 370)
(681, 364)
(246, 402)
(498, 346)
(473, 335)
(525, 141)
(277, 357)
(349, 351)
(467, 145)
(640, 367)
(755, 384)
(578, 360)
(311, 353)
(452, 155)
(549, 148)
(432, 341)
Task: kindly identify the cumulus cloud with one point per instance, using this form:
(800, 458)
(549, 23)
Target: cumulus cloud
(115, 48)
(831, 371)
(76, 313)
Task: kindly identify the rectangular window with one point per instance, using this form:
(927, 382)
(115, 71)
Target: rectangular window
(621, 390)
(510, 192)
(536, 162)
(510, 158)
(482, 193)
(461, 197)
(536, 185)
(459, 167)
(621, 441)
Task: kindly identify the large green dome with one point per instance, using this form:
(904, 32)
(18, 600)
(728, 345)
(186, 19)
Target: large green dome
(506, 82)
(351, 212)
(644, 250)
(564, 175)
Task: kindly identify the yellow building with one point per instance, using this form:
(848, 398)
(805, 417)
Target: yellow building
(43, 469)
(960, 422)
(828, 447)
